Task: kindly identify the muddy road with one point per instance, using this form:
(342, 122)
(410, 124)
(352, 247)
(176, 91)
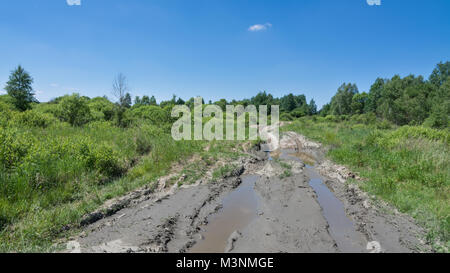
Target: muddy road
(283, 198)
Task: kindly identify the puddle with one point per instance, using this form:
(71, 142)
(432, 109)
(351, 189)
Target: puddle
(341, 227)
(240, 207)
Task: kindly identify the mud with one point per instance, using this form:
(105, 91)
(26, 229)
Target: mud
(239, 208)
(255, 208)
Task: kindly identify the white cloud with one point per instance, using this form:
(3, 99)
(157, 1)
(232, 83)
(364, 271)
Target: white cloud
(2, 92)
(73, 2)
(259, 27)
(54, 85)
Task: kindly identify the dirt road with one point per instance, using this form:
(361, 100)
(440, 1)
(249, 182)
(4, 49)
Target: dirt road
(290, 199)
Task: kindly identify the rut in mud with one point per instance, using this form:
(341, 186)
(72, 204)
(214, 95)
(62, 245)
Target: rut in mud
(258, 208)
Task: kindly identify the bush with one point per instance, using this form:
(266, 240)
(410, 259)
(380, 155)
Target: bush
(105, 160)
(331, 118)
(384, 125)
(14, 146)
(368, 119)
(154, 114)
(398, 136)
(286, 117)
(34, 119)
(101, 158)
(48, 108)
(101, 108)
(439, 118)
(74, 110)
(143, 137)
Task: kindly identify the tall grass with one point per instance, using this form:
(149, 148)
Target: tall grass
(408, 166)
(50, 177)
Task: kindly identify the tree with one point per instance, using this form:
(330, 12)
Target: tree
(120, 89)
(325, 111)
(341, 102)
(405, 100)
(101, 108)
(288, 103)
(75, 110)
(359, 102)
(440, 74)
(153, 101)
(180, 101)
(440, 112)
(20, 89)
(145, 100)
(374, 95)
(312, 107)
(222, 103)
(137, 100)
(263, 98)
(126, 101)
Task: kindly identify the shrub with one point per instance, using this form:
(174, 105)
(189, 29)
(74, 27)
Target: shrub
(101, 108)
(154, 114)
(48, 108)
(439, 117)
(143, 138)
(331, 118)
(34, 119)
(286, 117)
(384, 125)
(105, 160)
(101, 158)
(74, 110)
(14, 146)
(369, 118)
(399, 136)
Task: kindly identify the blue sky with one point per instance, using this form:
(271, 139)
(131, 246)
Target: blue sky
(208, 48)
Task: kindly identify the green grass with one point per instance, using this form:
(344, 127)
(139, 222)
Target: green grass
(409, 167)
(51, 177)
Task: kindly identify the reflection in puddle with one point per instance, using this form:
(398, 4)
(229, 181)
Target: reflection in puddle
(341, 227)
(239, 209)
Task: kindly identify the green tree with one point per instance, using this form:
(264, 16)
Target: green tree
(180, 101)
(20, 89)
(263, 98)
(137, 101)
(145, 100)
(440, 111)
(126, 101)
(405, 100)
(153, 101)
(101, 108)
(312, 107)
(374, 95)
(325, 111)
(288, 103)
(222, 103)
(341, 102)
(75, 110)
(359, 102)
(440, 74)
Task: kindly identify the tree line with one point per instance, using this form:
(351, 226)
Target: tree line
(411, 100)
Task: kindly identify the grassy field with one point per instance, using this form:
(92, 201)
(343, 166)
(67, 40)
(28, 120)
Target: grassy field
(53, 176)
(409, 167)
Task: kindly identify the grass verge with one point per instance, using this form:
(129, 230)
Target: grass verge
(409, 167)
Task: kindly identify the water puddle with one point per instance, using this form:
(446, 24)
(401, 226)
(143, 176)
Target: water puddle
(341, 227)
(240, 207)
